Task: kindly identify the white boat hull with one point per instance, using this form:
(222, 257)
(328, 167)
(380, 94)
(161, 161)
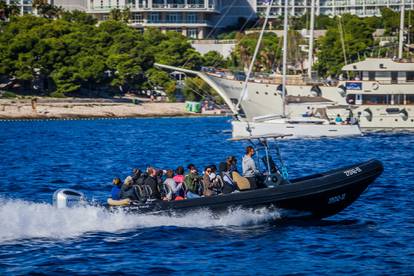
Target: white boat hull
(297, 130)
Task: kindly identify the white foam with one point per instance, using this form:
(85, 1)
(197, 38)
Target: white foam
(24, 220)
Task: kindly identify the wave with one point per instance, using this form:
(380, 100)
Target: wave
(27, 220)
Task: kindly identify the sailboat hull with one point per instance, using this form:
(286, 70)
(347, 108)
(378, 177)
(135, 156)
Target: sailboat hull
(297, 130)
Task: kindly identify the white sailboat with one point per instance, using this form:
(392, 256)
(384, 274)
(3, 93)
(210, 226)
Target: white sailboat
(280, 122)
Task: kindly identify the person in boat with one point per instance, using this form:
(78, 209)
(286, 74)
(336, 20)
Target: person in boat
(228, 184)
(249, 168)
(127, 189)
(116, 189)
(212, 183)
(192, 182)
(173, 189)
(152, 182)
(338, 119)
(179, 179)
(231, 162)
(136, 175)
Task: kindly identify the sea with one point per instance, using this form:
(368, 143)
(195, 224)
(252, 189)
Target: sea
(374, 236)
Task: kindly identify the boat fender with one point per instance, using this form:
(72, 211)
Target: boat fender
(367, 113)
(342, 90)
(67, 198)
(404, 114)
(279, 89)
(316, 91)
(121, 202)
(375, 86)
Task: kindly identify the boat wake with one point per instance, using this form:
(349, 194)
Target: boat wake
(27, 220)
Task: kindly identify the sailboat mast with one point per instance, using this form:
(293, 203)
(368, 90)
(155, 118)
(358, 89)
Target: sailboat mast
(401, 40)
(285, 42)
(243, 94)
(311, 32)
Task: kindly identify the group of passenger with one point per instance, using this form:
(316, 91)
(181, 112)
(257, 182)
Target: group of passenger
(176, 185)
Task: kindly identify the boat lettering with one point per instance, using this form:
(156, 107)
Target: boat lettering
(352, 171)
(336, 199)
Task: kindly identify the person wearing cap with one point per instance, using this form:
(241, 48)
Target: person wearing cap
(116, 189)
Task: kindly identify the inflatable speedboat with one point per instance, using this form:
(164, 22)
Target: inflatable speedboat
(315, 196)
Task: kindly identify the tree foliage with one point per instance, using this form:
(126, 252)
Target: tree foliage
(357, 38)
(71, 55)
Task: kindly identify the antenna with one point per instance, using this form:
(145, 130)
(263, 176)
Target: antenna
(311, 31)
(401, 40)
(285, 40)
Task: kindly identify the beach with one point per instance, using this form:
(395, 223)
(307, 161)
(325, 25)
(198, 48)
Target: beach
(49, 108)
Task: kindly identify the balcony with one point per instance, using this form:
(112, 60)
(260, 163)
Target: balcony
(159, 7)
(171, 23)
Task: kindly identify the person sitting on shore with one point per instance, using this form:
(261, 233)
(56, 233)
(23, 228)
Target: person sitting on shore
(116, 189)
(249, 167)
(192, 182)
(127, 189)
(338, 119)
(173, 188)
(152, 183)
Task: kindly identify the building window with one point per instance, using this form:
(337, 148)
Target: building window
(172, 17)
(192, 33)
(137, 18)
(192, 18)
(394, 77)
(410, 76)
(154, 17)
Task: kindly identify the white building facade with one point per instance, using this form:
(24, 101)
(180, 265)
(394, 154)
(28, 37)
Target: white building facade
(196, 19)
(360, 8)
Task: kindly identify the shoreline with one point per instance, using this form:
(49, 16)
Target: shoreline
(72, 109)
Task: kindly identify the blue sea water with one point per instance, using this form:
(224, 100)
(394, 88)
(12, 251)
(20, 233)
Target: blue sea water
(374, 236)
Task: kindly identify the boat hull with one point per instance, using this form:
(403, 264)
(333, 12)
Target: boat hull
(316, 196)
(297, 130)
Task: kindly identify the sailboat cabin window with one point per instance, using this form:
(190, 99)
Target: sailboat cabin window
(409, 99)
(410, 76)
(371, 75)
(375, 99)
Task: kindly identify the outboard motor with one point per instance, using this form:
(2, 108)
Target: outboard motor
(66, 198)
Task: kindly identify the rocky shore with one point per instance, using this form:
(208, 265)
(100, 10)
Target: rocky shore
(46, 108)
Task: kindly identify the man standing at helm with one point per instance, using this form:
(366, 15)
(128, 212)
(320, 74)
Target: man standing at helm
(249, 167)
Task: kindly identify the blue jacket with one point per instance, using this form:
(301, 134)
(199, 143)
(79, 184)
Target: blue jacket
(115, 192)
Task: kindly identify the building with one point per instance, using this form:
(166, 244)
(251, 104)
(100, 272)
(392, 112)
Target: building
(26, 5)
(199, 19)
(196, 19)
(360, 8)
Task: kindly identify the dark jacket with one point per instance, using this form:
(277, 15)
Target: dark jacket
(192, 183)
(153, 184)
(127, 191)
